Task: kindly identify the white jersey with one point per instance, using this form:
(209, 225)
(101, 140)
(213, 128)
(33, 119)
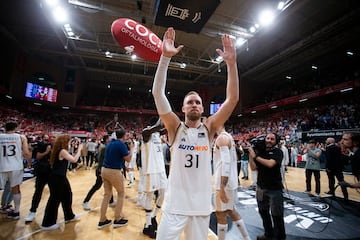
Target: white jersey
(231, 172)
(152, 159)
(135, 149)
(189, 189)
(11, 158)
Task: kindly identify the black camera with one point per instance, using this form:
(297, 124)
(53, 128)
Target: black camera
(258, 144)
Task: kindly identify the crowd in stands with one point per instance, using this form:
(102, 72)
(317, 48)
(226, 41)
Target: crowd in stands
(343, 115)
(339, 115)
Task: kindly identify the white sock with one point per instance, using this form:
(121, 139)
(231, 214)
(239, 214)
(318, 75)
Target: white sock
(131, 176)
(17, 199)
(242, 228)
(221, 231)
(155, 211)
(147, 218)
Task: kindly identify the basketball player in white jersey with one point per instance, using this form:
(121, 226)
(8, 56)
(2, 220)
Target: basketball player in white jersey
(13, 147)
(131, 165)
(226, 183)
(187, 204)
(153, 176)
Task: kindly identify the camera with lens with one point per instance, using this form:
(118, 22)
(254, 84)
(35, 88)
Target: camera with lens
(258, 144)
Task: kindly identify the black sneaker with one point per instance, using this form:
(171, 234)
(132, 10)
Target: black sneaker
(154, 222)
(13, 215)
(150, 231)
(263, 237)
(6, 209)
(103, 224)
(330, 193)
(120, 223)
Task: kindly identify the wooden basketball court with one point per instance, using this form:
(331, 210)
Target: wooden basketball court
(86, 226)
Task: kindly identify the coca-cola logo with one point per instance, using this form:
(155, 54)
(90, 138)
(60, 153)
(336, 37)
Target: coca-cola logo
(137, 38)
(143, 31)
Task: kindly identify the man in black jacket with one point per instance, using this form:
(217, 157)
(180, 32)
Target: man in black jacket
(42, 169)
(269, 194)
(334, 167)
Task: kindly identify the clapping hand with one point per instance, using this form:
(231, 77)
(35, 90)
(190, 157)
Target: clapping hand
(228, 53)
(168, 45)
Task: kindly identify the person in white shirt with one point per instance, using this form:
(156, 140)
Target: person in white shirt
(91, 146)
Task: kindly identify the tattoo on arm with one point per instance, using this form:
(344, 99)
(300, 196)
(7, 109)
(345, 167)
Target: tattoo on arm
(224, 181)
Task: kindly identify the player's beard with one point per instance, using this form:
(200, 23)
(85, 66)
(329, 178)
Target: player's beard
(193, 116)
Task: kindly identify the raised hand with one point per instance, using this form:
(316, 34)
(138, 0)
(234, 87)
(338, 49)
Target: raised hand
(229, 52)
(168, 45)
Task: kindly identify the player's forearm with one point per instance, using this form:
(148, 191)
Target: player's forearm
(158, 90)
(232, 88)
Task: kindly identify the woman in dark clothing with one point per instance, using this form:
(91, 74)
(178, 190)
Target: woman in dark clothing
(60, 189)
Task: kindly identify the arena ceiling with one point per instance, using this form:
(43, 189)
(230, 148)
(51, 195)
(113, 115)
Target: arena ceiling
(305, 32)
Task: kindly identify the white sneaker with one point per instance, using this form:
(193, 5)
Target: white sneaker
(76, 217)
(30, 217)
(86, 206)
(113, 204)
(49, 228)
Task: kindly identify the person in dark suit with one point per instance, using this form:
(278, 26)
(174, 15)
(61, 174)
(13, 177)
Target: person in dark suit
(334, 167)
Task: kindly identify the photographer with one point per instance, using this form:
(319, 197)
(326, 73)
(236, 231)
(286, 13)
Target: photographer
(266, 159)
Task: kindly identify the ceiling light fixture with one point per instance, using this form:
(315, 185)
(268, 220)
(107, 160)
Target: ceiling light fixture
(266, 17)
(346, 89)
